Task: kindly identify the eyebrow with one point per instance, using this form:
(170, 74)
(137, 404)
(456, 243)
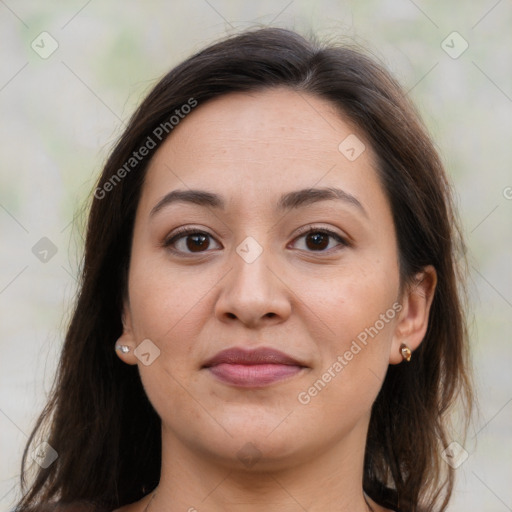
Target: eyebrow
(288, 201)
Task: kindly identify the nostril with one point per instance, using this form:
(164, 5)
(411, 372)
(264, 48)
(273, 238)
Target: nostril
(270, 315)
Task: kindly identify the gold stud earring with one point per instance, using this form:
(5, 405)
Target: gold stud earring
(406, 352)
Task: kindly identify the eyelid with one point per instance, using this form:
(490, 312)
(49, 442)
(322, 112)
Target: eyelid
(186, 230)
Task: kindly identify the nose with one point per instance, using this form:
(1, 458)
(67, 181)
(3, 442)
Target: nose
(253, 293)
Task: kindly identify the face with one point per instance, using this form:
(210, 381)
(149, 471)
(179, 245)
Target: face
(254, 262)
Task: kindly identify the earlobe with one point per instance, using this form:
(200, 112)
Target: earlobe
(125, 344)
(414, 318)
(124, 348)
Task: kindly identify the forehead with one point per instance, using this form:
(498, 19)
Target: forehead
(276, 119)
(255, 144)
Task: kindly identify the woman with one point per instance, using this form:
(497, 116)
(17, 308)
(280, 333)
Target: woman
(269, 316)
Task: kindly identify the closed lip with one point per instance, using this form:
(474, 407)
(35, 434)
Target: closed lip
(262, 355)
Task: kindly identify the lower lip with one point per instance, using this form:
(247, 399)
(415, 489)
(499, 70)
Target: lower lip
(253, 375)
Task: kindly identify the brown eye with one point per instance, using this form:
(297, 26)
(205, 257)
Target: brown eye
(317, 241)
(197, 242)
(320, 240)
(190, 241)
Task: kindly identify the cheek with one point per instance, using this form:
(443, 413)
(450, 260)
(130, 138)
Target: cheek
(165, 303)
(353, 327)
(353, 299)
(168, 310)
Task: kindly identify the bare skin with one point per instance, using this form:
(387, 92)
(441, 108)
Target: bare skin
(310, 296)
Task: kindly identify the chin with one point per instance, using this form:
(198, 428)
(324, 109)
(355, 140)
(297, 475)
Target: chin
(269, 444)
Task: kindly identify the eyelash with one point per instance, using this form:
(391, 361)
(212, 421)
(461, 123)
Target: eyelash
(306, 230)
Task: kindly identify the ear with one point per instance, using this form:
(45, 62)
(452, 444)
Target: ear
(412, 322)
(125, 344)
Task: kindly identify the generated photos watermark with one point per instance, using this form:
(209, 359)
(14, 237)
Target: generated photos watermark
(361, 341)
(158, 134)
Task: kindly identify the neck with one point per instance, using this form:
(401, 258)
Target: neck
(195, 482)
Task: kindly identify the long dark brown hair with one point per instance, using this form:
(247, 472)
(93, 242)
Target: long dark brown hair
(98, 418)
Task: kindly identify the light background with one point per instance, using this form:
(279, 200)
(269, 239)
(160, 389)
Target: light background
(61, 115)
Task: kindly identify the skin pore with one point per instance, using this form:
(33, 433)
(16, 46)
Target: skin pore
(308, 295)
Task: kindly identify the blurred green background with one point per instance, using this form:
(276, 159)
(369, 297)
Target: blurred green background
(71, 73)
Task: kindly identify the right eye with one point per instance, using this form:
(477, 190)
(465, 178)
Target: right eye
(190, 241)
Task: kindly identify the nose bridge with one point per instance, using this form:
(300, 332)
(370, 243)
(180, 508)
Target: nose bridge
(253, 291)
(251, 264)
(252, 277)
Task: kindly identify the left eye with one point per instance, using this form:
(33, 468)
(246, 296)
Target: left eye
(320, 240)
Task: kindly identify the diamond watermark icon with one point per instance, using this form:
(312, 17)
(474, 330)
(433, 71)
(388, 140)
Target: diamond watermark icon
(249, 250)
(44, 455)
(44, 45)
(351, 147)
(44, 250)
(454, 455)
(146, 352)
(454, 45)
(248, 455)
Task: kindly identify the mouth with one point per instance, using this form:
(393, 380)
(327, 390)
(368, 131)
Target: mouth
(253, 368)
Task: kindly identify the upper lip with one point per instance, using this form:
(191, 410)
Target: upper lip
(262, 355)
